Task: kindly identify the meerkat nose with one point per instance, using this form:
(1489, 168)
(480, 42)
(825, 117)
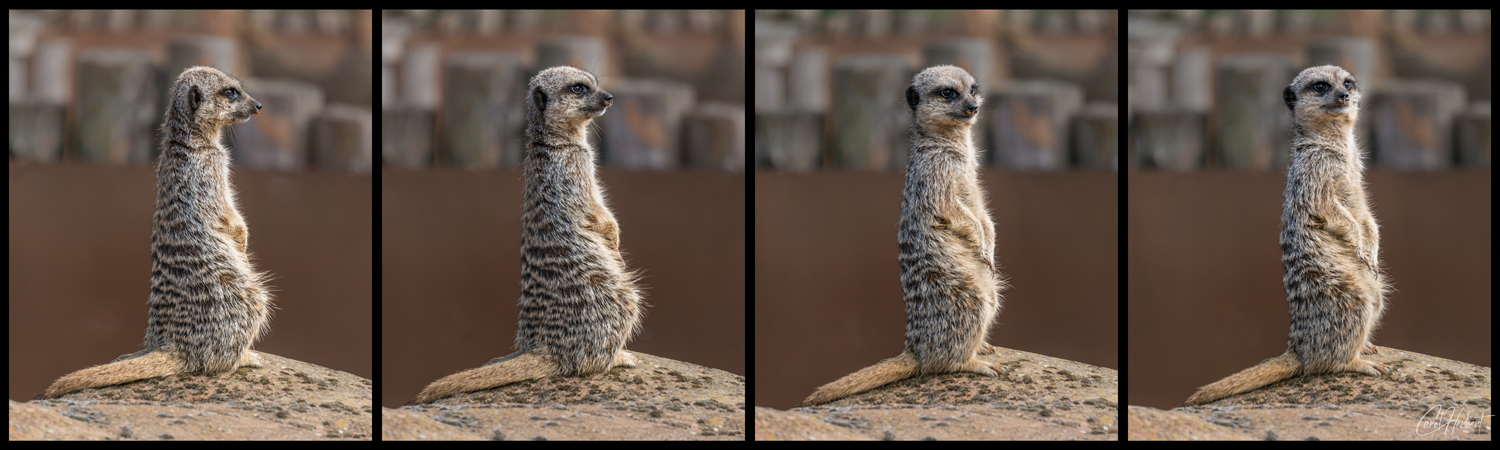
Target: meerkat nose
(257, 108)
(609, 99)
(972, 109)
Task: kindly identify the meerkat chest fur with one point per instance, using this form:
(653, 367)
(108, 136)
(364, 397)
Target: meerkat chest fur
(579, 303)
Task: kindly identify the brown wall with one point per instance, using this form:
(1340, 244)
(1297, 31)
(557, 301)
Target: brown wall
(827, 290)
(451, 268)
(1203, 289)
(80, 266)
(1204, 293)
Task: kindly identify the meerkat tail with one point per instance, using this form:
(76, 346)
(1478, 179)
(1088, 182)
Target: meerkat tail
(886, 371)
(1267, 372)
(151, 365)
(511, 369)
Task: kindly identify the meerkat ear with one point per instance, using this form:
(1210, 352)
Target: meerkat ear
(195, 99)
(1290, 96)
(912, 97)
(539, 99)
(536, 105)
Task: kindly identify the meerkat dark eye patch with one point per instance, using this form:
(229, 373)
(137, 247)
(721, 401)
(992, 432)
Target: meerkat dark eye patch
(580, 88)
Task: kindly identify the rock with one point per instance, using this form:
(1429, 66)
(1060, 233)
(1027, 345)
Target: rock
(1040, 397)
(1424, 397)
(286, 400)
(658, 399)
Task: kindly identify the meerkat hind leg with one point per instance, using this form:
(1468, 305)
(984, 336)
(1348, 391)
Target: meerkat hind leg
(988, 369)
(252, 359)
(133, 355)
(503, 358)
(1367, 367)
(985, 348)
(625, 359)
(249, 360)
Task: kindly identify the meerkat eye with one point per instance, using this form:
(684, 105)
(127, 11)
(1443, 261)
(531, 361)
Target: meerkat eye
(580, 88)
(230, 92)
(974, 90)
(948, 93)
(1320, 87)
(1348, 84)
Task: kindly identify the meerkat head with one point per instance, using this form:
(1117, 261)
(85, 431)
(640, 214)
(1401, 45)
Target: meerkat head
(943, 97)
(207, 98)
(564, 97)
(1323, 95)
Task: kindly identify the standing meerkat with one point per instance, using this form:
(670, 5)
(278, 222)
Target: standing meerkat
(947, 241)
(1330, 245)
(579, 303)
(207, 303)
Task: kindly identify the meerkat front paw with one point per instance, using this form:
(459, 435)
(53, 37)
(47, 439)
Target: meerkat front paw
(1366, 258)
(1371, 349)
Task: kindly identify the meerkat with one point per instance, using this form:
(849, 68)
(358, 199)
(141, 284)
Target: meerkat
(949, 279)
(579, 303)
(208, 304)
(1330, 245)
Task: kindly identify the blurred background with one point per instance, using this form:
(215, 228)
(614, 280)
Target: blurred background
(830, 153)
(1207, 152)
(88, 91)
(671, 156)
